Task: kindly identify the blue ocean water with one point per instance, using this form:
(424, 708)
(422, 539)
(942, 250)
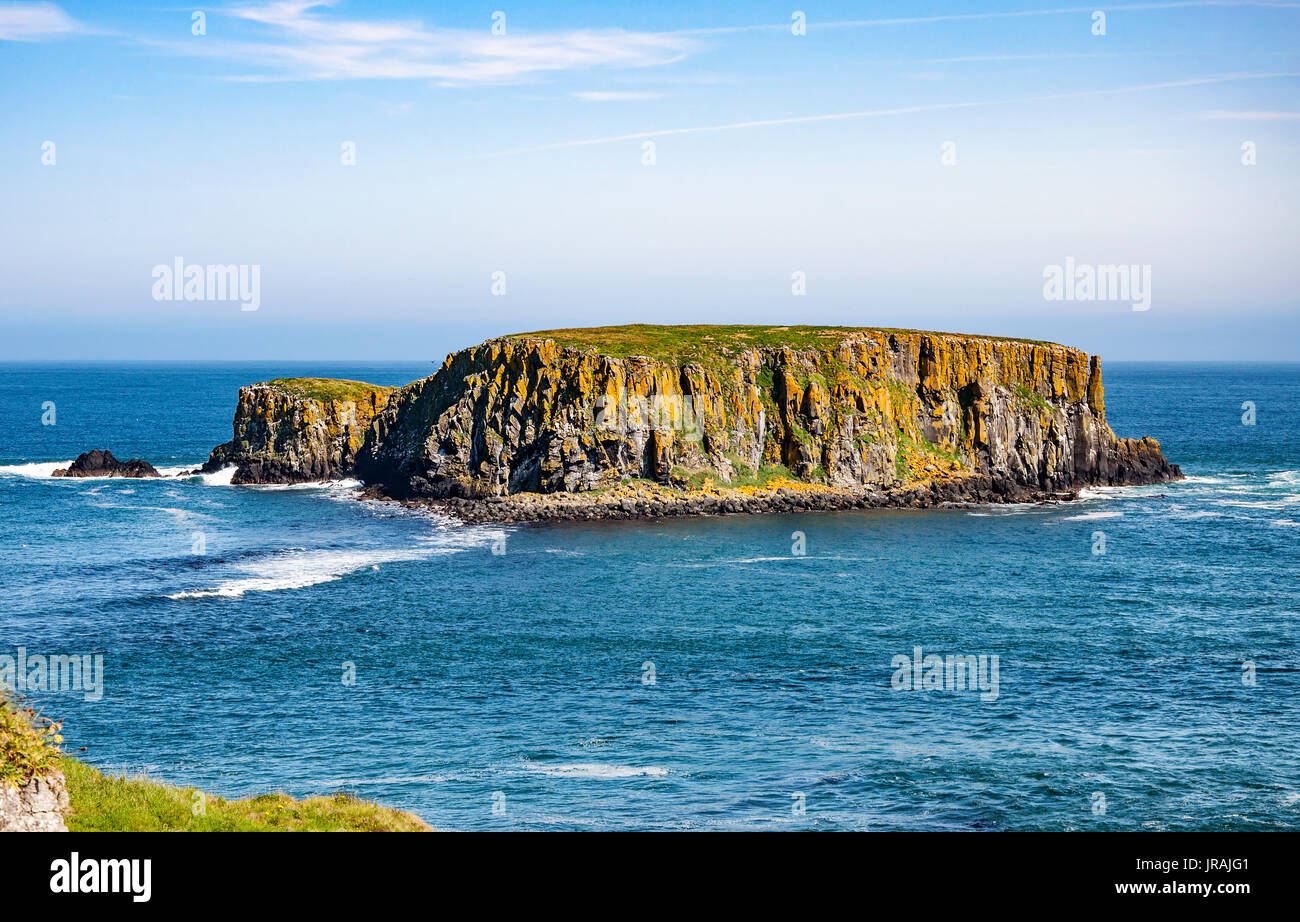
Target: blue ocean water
(677, 674)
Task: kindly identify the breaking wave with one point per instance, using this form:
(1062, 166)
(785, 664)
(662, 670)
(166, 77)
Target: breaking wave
(300, 568)
(40, 469)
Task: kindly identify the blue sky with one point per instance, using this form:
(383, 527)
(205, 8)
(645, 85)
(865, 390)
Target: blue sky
(522, 153)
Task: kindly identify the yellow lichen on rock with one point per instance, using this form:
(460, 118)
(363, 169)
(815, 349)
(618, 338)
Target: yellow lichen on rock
(843, 408)
(299, 429)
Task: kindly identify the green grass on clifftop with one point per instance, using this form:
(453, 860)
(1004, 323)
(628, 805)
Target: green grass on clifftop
(328, 388)
(701, 342)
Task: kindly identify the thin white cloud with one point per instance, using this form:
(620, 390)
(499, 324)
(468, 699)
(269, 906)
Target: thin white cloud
(902, 110)
(1002, 58)
(303, 42)
(35, 22)
(813, 24)
(1251, 116)
(614, 95)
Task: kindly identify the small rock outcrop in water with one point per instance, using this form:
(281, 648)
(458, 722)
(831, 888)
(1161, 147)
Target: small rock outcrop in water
(295, 430)
(102, 464)
(878, 417)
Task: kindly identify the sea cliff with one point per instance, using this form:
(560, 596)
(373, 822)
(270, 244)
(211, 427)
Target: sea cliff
(643, 414)
(293, 430)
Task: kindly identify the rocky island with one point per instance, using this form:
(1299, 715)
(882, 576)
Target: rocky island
(101, 463)
(649, 420)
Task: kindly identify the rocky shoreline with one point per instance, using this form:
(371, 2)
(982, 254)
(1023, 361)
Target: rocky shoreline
(649, 501)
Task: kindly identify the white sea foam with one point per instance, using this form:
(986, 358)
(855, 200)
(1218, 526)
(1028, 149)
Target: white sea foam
(38, 469)
(347, 485)
(176, 471)
(598, 771)
(770, 559)
(1089, 516)
(731, 562)
(43, 470)
(1280, 503)
(297, 570)
(1181, 515)
(219, 478)
(1095, 493)
(302, 567)
(991, 511)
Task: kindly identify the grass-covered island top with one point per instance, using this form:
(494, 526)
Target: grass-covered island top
(701, 341)
(325, 389)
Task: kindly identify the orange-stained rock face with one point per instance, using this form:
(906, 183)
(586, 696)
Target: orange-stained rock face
(871, 409)
(284, 437)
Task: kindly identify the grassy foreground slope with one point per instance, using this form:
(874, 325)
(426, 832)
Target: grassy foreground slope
(104, 803)
(107, 803)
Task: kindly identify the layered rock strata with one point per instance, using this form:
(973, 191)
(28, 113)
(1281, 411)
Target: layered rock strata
(298, 430)
(681, 415)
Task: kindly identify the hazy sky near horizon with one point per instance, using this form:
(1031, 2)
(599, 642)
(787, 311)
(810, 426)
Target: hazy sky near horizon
(524, 154)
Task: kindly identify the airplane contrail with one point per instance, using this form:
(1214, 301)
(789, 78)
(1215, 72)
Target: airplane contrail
(902, 110)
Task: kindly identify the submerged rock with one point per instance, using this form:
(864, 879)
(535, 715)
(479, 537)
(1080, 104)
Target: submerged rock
(102, 464)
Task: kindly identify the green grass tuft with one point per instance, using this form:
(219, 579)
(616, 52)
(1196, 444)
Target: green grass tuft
(925, 445)
(325, 389)
(28, 743)
(1029, 398)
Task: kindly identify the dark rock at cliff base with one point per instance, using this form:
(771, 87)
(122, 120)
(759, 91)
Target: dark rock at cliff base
(102, 464)
(1141, 461)
(637, 500)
